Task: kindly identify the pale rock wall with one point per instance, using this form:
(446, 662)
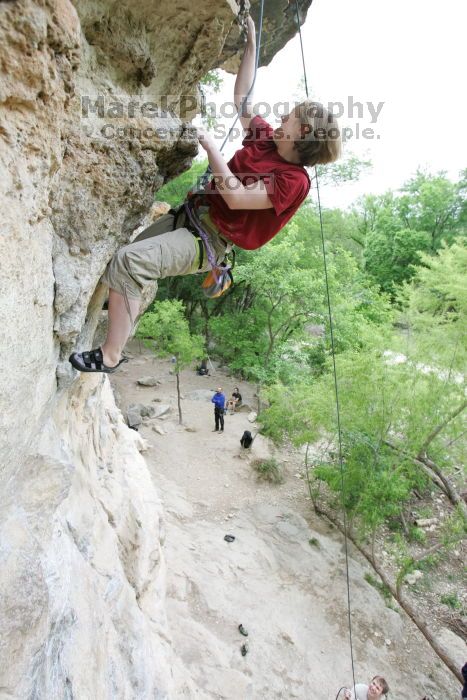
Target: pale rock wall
(82, 578)
(82, 575)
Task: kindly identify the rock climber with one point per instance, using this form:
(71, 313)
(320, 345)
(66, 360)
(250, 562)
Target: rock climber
(248, 200)
(375, 690)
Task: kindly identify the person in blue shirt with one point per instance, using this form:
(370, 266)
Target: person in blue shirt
(219, 403)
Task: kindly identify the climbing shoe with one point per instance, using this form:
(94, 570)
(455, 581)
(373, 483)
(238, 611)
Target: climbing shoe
(92, 361)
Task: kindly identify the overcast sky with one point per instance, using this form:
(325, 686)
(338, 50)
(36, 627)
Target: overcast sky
(407, 54)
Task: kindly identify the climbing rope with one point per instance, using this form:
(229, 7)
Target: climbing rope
(336, 388)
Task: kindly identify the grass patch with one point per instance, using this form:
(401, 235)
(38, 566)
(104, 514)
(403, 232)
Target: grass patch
(428, 563)
(451, 600)
(416, 534)
(268, 470)
(424, 512)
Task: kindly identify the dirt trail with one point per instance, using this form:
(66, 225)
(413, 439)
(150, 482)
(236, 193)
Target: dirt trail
(289, 594)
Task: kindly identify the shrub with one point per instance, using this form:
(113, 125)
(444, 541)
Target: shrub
(416, 534)
(451, 600)
(268, 470)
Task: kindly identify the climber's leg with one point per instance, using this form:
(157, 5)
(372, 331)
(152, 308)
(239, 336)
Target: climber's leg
(122, 314)
(130, 270)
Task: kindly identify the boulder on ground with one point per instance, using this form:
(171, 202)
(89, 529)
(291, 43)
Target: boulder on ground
(413, 577)
(137, 411)
(133, 418)
(160, 410)
(148, 381)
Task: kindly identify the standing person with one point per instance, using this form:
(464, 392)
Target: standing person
(247, 202)
(374, 691)
(219, 404)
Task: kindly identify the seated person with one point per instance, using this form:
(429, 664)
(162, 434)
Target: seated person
(375, 690)
(235, 400)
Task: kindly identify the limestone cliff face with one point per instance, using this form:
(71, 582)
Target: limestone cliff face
(81, 580)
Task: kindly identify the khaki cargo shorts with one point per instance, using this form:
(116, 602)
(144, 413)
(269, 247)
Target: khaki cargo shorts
(156, 254)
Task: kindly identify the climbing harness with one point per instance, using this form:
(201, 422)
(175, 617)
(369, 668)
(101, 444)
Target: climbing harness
(220, 277)
(336, 388)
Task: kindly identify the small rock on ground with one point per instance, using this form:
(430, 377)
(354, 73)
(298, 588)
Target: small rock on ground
(148, 381)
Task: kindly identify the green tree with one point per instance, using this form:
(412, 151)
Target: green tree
(434, 204)
(165, 331)
(402, 415)
(397, 228)
(175, 191)
(348, 169)
(276, 317)
(391, 254)
(396, 420)
(434, 306)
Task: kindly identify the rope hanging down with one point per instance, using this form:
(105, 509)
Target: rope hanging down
(336, 388)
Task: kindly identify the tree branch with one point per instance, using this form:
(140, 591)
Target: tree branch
(449, 487)
(406, 606)
(436, 475)
(441, 427)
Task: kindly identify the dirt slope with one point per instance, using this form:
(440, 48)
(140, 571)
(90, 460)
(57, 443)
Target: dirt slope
(290, 595)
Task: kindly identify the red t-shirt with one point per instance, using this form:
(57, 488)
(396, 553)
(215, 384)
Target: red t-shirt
(286, 184)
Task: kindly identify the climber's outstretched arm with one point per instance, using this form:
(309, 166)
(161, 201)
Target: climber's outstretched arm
(235, 195)
(245, 77)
